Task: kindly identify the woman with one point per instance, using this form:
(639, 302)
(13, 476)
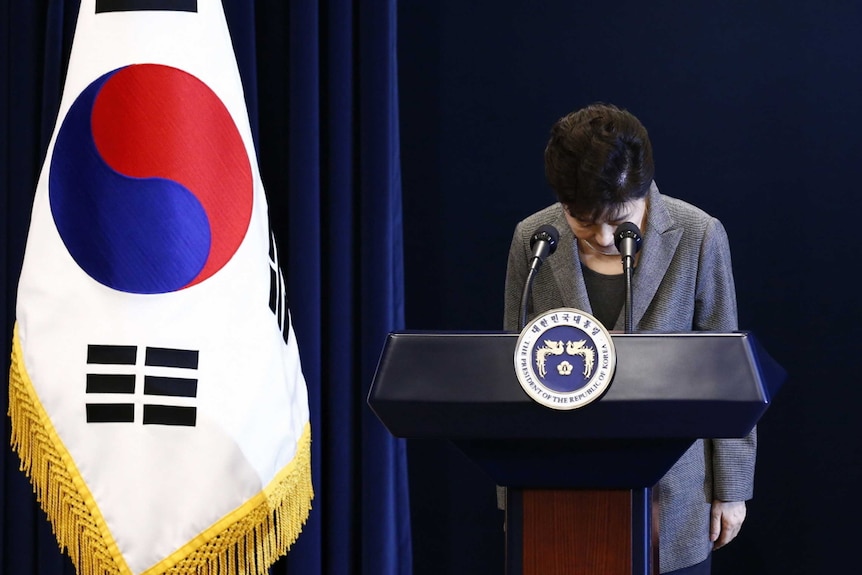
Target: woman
(599, 163)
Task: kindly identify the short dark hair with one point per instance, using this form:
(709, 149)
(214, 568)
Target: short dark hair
(597, 159)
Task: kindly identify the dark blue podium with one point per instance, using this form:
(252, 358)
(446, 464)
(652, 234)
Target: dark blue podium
(579, 481)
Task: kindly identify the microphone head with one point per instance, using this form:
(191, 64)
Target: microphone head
(546, 233)
(628, 230)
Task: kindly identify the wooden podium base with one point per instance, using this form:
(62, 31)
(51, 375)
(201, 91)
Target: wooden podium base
(579, 532)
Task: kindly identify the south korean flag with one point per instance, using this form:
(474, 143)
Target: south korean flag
(156, 394)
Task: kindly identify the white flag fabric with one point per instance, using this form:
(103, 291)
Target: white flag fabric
(156, 394)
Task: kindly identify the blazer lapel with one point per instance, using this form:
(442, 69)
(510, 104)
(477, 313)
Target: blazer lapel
(566, 266)
(660, 240)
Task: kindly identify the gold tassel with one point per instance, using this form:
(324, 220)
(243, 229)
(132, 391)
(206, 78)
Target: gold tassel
(42, 459)
(245, 542)
(265, 527)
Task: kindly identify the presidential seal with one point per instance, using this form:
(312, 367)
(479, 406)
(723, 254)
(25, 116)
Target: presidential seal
(565, 358)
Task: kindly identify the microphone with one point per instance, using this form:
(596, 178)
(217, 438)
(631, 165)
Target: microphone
(627, 238)
(544, 243)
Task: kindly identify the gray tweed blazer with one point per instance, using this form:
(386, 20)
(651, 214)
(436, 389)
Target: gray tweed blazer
(683, 282)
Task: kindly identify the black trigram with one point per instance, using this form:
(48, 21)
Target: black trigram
(139, 5)
(176, 362)
(277, 293)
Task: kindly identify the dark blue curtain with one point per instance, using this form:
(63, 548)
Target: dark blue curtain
(321, 87)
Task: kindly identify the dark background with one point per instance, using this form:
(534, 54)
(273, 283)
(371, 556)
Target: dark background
(754, 113)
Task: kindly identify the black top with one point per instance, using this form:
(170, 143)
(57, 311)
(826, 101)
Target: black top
(607, 295)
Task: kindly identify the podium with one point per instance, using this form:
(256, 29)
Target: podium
(578, 481)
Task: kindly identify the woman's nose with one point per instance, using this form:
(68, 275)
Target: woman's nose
(605, 235)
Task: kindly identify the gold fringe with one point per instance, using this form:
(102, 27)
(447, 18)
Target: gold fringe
(249, 540)
(45, 460)
(245, 542)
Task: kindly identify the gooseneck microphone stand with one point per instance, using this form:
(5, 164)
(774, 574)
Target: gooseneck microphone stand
(543, 243)
(627, 238)
(525, 297)
(628, 273)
